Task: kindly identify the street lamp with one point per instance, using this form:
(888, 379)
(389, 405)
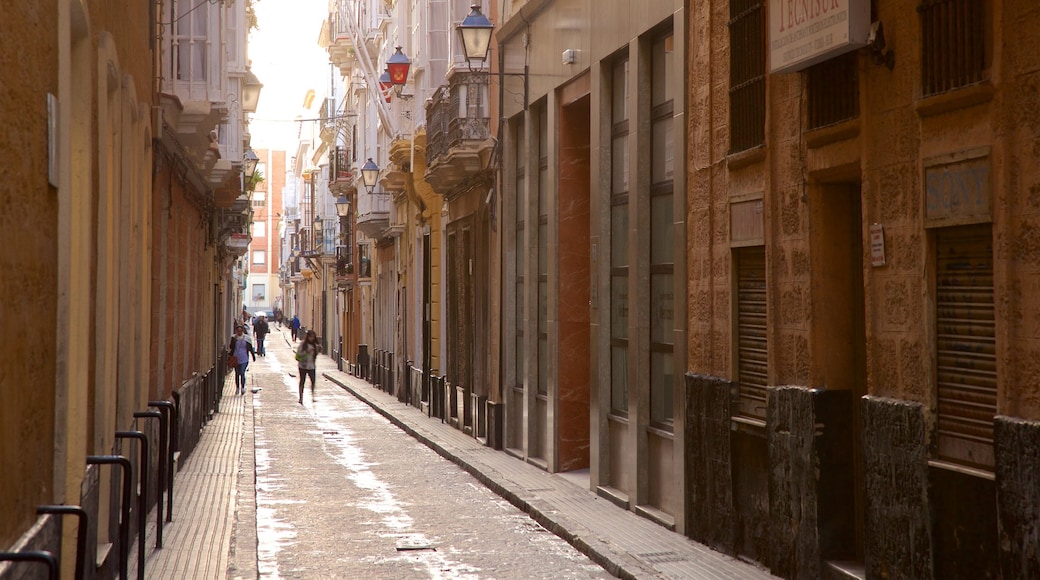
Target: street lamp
(343, 206)
(475, 35)
(369, 174)
(249, 162)
(251, 92)
(397, 65)
(385, 84)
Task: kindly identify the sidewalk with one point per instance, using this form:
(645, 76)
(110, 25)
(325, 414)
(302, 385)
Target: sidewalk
(213, 533)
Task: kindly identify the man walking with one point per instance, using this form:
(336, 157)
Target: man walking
(260, 329)
(295, 326)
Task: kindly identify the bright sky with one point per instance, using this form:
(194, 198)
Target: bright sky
(288, 61)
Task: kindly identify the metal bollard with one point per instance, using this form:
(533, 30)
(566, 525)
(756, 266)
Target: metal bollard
(124, 523)
(170, 410)
(162, 471)
(34, 556)
(142, 499)
(81, 530)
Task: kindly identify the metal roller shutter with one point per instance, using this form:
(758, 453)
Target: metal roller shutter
(966, 362)
(752, 346)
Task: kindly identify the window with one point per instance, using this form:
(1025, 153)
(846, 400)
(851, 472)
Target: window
(259, 229)
(190, 40)
(662, 234)
(259, 292)
(953, 44)
(747, 74)
(259, 256)
(833, 88)
(619, 303)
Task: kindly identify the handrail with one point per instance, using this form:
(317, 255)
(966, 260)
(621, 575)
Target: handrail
(124, 523)
(81, 530)
(142, 498)
(161, 468)
(171, 409)
(34, 556)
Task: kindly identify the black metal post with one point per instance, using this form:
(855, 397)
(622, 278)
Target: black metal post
(161, 469)
(124, 523)
(81, 530)
(34, 556)
(171, 411)
(142, 498)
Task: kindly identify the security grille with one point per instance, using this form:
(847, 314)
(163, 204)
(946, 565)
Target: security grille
(833, 91)
(966, 362)
(752, 343)
(953, 44)
(747, 75)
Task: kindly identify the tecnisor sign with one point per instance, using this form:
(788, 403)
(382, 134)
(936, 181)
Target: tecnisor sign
(805, 32)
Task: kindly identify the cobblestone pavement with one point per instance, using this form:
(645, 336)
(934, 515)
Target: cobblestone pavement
(340, 492)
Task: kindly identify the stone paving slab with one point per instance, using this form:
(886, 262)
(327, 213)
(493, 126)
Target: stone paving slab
(197, 543)
(213, 533)
(625, 544)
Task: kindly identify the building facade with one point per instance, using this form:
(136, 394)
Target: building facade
(860, 391)
(115, 255)
(263, 292)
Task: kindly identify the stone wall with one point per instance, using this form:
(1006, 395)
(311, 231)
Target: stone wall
(898, 542)
(709, 502)
(1018, 495)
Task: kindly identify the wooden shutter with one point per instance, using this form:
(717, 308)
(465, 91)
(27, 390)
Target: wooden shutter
(966, 362)
(752, 346)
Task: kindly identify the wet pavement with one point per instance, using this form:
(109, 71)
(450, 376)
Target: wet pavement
(354, 484)
(343, 493)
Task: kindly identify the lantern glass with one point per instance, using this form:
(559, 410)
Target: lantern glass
(249, 163)
(251, 92)
(475, 34)
(369, 174)
(397, 65)
(342, 206)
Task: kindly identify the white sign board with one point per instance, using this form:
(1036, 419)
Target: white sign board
(877, 245)
(805, 32)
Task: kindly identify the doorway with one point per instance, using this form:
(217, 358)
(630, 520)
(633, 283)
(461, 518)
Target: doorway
(839, 312)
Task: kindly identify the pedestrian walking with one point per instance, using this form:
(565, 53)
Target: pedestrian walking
(295, 326)
(261, 330)
(239, 351)
(306, 355)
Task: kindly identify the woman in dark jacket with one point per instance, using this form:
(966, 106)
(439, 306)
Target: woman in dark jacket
(241, 349)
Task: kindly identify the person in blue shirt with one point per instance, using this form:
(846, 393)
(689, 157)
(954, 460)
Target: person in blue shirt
(295, 326)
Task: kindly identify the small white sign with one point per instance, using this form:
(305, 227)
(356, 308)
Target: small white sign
(877, 245)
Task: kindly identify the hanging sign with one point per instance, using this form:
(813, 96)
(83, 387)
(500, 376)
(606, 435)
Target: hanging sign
(805, 32)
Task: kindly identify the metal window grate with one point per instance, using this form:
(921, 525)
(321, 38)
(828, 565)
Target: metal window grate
(747, 75)
(833, 91)
(953, 44)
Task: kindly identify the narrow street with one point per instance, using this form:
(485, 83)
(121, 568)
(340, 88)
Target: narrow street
(340, 492)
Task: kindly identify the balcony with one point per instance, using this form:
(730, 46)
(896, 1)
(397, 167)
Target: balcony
(341, 178)
(373, 214)
(458, 147)
(341, 46)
